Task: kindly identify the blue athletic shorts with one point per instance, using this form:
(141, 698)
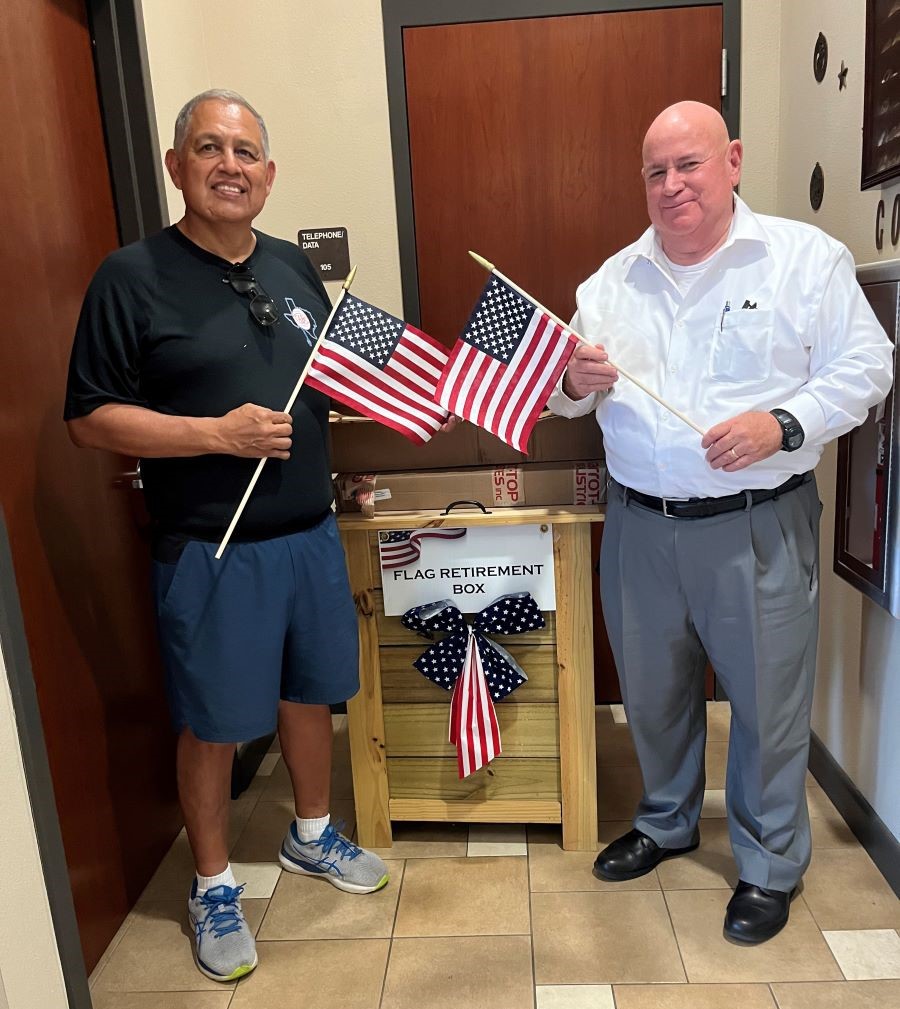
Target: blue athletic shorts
(273, 619)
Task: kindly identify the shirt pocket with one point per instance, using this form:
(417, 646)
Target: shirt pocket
(742, 346)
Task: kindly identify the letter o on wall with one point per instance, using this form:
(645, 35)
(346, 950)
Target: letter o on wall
(895, 221)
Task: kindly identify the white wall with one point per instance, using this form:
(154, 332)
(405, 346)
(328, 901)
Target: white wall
(858, 684)
(29, 961)
(316, 72)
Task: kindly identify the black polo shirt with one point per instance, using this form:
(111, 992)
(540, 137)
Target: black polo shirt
(161, 328)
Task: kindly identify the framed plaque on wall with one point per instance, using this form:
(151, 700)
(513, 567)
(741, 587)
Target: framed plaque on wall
(881, 115)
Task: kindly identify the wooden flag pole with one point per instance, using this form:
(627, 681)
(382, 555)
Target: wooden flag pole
(677, 413)
(290, 403)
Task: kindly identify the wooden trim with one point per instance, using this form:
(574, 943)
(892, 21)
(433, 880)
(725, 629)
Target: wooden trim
(492, 811)
(365, 714)
(574, 644)
(870, 830)
(557, 514)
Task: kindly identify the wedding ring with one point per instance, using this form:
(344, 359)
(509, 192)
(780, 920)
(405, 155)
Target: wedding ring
(736, 456)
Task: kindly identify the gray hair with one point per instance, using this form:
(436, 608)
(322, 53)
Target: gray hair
(183, 121)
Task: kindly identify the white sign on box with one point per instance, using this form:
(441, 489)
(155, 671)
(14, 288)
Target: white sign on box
(471, 567)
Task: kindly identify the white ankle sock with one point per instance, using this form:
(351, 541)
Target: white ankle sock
(226, 877)
(311, 830)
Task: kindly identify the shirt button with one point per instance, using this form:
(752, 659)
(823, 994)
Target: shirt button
(673, 370)
(680, 323)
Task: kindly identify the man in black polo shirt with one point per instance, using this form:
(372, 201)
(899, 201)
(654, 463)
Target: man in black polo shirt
(187, 344)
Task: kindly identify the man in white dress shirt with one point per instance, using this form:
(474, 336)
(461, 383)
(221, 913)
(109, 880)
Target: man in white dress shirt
(756, 329)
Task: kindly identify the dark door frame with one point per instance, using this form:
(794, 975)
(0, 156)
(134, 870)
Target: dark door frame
(398, 15)
(129, 125)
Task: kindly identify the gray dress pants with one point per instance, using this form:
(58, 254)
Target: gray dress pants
(741, 588)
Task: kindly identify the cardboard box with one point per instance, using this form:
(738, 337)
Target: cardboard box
(359, 445)
(535, 485)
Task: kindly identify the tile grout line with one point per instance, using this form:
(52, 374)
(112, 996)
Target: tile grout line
(530, 917)
(387, 962)
(687, 976)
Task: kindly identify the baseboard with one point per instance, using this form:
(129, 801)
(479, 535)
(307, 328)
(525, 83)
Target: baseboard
(883, 848)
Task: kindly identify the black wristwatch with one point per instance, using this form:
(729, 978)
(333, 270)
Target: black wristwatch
(791, 432)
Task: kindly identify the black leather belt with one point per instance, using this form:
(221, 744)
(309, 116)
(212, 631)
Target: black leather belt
(704, 507)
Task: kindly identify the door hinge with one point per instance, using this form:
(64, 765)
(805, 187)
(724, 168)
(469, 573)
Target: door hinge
(724, 72)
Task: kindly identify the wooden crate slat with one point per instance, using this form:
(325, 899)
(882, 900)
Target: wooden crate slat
(504, 778)
(492, 811)
(402, 682)
(420, 730)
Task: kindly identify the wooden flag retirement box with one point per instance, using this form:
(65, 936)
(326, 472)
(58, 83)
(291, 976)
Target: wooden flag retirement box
(404, 768)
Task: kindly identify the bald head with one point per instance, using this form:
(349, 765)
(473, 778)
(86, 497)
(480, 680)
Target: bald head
(690, 171)
(693, 119)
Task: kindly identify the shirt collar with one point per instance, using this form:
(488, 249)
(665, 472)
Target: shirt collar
(745, 227)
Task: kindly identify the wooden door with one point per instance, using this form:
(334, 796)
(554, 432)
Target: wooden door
(81, 569)
(525, 145)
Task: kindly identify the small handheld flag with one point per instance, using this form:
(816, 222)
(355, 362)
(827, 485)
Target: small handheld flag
(383, 367)
(504, 366)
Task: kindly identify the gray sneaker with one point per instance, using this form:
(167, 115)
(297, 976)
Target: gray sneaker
(343, 863)
(225, 948)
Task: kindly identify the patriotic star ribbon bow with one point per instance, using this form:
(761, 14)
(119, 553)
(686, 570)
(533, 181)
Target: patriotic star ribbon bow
(477, 670)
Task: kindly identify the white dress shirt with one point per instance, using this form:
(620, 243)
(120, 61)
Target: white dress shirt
(776, 319)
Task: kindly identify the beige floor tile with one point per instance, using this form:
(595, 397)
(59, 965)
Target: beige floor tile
(603, 938)
(470, 972)
(574, 996)
(277, 787)
(866, 954)
(267, 764)
(618, 714)
(831, 833)
(427, 840)
(496, 839)
(607, 831)
(552, 870)
(464, 896)
(798, 953)
(344, 973)
(304, 908)
(838, 995)
(713, 804)
(619, 790)
(820, 805)
(718, 721)
(614, 744)
(161, 1000)
(710, 867)
(156, 953)
(257, 878)
(172, 879)
(716, 761)
(844, 890)
(260, 840)
(694, 996)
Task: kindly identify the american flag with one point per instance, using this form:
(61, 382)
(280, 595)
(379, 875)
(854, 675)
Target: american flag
(400, 547)
(505, 364)
(473, 722)
(382, 367)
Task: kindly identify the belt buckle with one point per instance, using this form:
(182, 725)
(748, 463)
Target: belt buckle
(673, 500)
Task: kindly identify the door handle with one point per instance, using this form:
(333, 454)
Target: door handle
(131, 480)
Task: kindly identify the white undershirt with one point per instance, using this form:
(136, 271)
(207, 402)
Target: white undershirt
(686, 276)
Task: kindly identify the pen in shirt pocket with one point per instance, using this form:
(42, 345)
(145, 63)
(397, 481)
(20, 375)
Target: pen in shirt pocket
(727, 308)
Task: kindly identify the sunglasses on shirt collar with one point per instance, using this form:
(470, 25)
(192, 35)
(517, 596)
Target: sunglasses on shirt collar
(262, 307)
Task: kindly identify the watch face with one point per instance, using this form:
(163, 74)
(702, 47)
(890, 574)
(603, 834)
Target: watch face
(794, 440)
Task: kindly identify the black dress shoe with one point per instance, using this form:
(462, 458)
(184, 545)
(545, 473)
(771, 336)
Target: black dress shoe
(754, 915)
(634, 854)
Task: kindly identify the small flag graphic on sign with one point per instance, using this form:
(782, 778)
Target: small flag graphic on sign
(504, 366)
(401, 547)
(382, 367)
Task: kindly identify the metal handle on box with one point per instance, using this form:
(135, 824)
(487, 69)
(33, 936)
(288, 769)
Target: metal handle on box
(474, 504)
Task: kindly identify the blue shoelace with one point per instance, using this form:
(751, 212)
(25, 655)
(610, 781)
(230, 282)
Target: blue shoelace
(331, 839)
(221, 904)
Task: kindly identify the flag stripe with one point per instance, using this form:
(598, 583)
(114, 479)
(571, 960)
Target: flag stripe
(382, 367)
(501, 371)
